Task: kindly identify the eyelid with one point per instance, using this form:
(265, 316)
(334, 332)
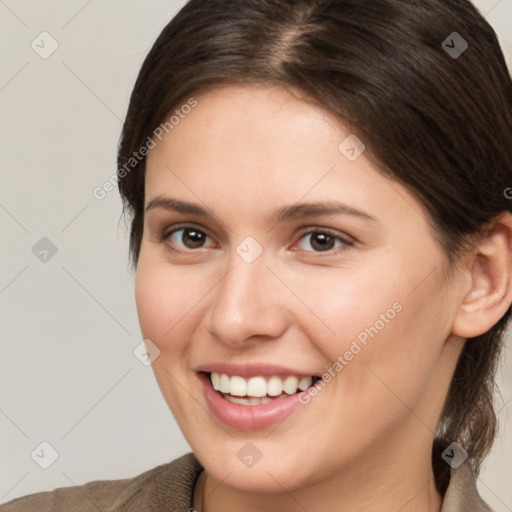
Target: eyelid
(344, 237)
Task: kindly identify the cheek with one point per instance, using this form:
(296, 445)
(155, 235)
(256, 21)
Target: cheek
(164, 299)
(165, 303)
(153, 305)
(392, 328)
(345, 305)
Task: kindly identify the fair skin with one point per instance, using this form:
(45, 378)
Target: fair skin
(364, 442)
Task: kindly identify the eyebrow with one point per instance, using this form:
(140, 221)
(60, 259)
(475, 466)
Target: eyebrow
(294, 211)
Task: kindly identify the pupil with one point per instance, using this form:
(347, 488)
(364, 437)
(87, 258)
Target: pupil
(192, 238)
(322, 241)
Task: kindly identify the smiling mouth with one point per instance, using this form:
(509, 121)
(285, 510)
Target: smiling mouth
(258, 389)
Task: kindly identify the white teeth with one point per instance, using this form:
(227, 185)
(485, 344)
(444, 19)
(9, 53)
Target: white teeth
(248, 401)
(290, 385)
(225, 384)
(305, 383)
(238, 386)
(274, 386)
(257, 389)
(257, 386)
(215, 377)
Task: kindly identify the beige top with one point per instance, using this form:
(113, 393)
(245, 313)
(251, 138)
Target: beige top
(170, 487)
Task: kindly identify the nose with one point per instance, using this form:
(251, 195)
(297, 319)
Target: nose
(247, 304)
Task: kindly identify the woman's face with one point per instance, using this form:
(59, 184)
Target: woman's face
(239, 279)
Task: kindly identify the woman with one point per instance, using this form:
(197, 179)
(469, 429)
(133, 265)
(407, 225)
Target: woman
(321, 233)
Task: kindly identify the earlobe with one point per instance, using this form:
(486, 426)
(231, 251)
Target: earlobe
(490, 276)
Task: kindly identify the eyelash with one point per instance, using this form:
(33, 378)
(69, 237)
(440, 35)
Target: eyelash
(166, 235)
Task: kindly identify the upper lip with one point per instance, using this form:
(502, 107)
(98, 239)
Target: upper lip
(247, 370)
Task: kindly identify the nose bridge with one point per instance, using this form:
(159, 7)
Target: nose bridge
(245, 302)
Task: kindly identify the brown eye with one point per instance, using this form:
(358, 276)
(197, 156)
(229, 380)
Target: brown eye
(188, 238)
(322, 241)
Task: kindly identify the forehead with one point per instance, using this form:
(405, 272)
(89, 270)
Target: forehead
(255, 146)
(252, 118)
(245, 128)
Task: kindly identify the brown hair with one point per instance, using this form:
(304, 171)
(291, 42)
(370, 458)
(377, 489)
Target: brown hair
(438, 123)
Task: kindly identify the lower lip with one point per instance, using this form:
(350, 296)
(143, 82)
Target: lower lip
(249, 417)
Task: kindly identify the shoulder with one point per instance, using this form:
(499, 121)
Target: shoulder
(170, 483)
(462, 493)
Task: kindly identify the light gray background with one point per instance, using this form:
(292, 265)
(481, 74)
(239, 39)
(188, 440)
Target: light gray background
(69, 326)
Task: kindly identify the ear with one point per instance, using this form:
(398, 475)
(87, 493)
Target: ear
(489, 276)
